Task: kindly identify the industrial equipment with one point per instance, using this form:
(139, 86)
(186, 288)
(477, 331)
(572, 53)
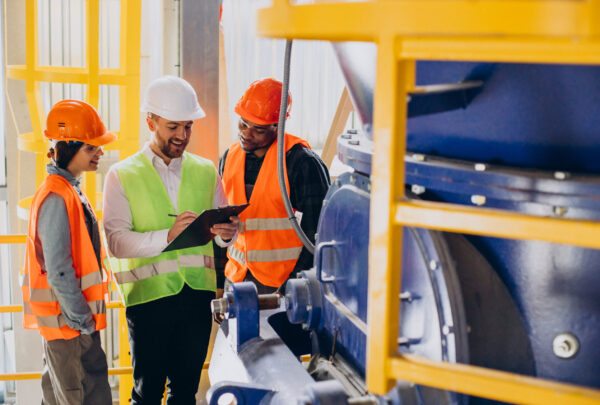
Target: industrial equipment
(518, 137)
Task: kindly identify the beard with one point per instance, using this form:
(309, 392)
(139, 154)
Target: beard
(171, 151)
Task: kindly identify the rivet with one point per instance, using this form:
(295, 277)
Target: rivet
(565, 345)
(478, 199)
(417, 189)
(480, 167)
(354, 142)
(309, 308)
(433, 265)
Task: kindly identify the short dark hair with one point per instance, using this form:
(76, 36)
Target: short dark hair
(64, 152)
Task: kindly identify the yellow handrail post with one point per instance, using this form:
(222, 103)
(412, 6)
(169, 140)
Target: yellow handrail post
(385, 239)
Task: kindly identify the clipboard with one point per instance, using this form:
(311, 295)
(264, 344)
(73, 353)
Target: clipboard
(198, 232)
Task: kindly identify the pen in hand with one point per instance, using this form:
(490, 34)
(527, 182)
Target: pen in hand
(172, 215)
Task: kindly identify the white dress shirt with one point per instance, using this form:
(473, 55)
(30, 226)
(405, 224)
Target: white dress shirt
(118, 225)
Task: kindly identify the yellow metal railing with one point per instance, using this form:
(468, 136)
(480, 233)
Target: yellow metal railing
(409, 30)
(126, 77)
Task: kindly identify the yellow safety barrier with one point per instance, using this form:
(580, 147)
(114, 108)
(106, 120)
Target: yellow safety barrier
(527, 31)
(13, 239)
(38, 375)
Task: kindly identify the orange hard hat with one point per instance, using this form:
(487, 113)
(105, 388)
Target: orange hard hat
(73, 120)
(260, 103)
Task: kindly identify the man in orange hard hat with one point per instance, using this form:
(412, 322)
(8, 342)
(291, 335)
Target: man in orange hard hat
(64, 286)
(267, 250)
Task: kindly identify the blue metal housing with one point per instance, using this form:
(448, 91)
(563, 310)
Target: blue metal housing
(526, 140)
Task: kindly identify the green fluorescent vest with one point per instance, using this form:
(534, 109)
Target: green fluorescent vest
(149, 278)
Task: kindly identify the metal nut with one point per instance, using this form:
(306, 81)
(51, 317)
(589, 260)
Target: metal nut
(559, 211)
(418, 157)
(565, 345)
(480, 167)
(561, 175)
(417, 189)
(478, 199)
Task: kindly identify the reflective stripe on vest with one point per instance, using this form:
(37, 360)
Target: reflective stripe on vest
(272, 255)
(164, 267)
(267, 224)
(58, 321)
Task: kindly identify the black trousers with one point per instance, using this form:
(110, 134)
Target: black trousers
(169, 339)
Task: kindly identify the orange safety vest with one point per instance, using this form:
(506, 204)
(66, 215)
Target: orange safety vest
(40, 304)
(267, 245)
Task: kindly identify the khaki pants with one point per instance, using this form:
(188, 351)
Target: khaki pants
(75, 372)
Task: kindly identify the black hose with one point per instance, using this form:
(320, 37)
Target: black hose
(281, 151)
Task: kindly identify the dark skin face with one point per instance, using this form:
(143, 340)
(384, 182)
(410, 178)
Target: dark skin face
(256, 138)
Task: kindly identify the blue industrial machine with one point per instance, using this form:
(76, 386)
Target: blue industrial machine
(524, 138)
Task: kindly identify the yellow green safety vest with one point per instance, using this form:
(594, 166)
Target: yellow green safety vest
(147, 279)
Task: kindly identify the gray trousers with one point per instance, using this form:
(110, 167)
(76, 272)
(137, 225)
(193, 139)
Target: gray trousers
(75, 372)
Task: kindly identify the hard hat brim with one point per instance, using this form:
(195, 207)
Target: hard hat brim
(102, 140)
(174, 115)
(248, 116)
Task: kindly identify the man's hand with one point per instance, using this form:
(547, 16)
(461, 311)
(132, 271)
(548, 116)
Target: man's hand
(181, 222)
(226, 230)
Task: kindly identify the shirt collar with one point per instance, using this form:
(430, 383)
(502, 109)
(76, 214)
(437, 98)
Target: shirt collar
(174, 164)
(53, 169)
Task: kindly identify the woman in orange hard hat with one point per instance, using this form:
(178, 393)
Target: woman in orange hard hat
(267, 251)
(64, 285)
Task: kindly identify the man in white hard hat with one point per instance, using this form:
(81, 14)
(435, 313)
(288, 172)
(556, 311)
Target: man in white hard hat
(149, 198)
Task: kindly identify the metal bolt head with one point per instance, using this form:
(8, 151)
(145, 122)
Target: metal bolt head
(447, 329)
(433, 265)
(352, 179)
(480, 167)
(352, 131)
(559, 211)
(418, 157)
(561, 175)
(565, 345)
(478, 199)
(417, 189)
(354, 142)
(346, 136)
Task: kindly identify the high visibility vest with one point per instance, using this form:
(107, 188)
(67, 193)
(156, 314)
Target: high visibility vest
(267, 245)
(40, 304)
(145, 279)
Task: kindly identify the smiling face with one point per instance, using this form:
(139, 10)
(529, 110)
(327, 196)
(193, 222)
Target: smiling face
(85, 160)
(169, 138)
(256, 138)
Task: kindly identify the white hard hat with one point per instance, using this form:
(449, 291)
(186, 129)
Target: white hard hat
(172, 98)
